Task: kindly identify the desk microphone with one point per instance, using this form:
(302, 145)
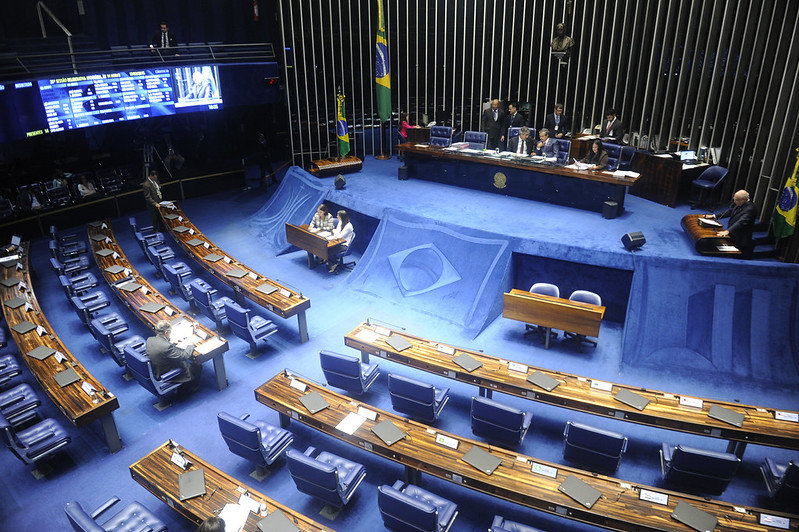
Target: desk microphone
(291, 373)
(457, 347)
(290, 286)
(370, 320)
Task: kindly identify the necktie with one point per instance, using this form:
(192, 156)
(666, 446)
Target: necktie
(495, 116)
(557, 120)
(164, 43)
(607, 132)
(522, 146)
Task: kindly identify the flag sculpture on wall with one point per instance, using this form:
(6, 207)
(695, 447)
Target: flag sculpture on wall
(341, 127)
(783, 223)
(382, 72)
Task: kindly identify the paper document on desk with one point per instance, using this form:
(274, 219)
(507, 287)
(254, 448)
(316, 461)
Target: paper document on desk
(580, 166)
(210, 345)
(367, 335)
(727, 248)
(235, 517)
(708, 222)
(350, 423)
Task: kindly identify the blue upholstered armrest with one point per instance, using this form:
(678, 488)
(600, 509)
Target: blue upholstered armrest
(105, 506)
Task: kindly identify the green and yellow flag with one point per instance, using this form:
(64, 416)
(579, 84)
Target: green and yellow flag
(382, 73)
(783, 223)
(341, 127)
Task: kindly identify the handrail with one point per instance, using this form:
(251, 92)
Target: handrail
(40, 6)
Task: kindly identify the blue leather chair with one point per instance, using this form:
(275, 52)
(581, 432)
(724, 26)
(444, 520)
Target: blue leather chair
(158, 255)
(500, 524)
(133, 517)
(583, 296)
(145, 240)
(249, 327)
(9, 368)
(614, 154)
(341, 264)
(70, 267)
(347, 372)
(203, 295)
(259, 442)
(441, 136)
(87, 305)
(66, 252)
(68, 242)
(406, 507)
(595, 448)
(564, 148)
(477, 139)
(78, 284)
(19, 404)
(499, 423)
(707, 183)
(782, 482)
(626, 158)
(697, 470)
(417, 399)
(326, 476)
(514, 132)
(36, 442)
(139, 366)
(177, 265)
(136, 228)
(107, 328)
(179, 280)
(546, 333)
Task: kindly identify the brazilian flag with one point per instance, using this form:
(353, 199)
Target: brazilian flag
(382, 73)
(341, 128)
(783, 222)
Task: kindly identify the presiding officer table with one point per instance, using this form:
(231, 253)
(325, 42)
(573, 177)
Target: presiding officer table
(519, 479)
(517, 176)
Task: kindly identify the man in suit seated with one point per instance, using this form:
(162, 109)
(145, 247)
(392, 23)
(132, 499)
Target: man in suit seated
(165, 356)
(548, 147)
(558, 123)
(612, 128)
(742, 216)
(521, 144)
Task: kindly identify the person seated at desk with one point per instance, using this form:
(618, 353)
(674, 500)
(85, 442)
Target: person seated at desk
(86, 188)
(344, 231)
(212, 524)
(557, 122)
(597, 157)
(742, 214)
(547, 147)
(165, 356)
(322, 221)
(521, 144)
(405, 125)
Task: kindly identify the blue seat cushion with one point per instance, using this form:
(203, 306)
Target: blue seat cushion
(349, 472)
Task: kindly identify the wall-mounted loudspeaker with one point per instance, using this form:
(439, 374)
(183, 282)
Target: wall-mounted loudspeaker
(633, 241)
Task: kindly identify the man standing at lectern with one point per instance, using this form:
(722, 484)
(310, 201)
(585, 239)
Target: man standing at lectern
(742, 216)
(152, 196)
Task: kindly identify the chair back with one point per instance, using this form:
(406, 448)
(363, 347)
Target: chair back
(592, 446)
(477, 139)
(513, 132)
(713, 176)
(500, 524)
(441, 136)
(314, 478)
(564, 148)
(626, 159)
(342, 371)
(80, 520)
(701, 470)
(546, 289)
(241, 437)
(201, 293)
(584, 296)
(497, 422)
(614, 154)
(412, 397)
(142, 370)
(238, 318)
(403, 512)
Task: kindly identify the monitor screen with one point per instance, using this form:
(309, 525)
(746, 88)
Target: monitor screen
(21, 111)
(197, 88)
(687, 155)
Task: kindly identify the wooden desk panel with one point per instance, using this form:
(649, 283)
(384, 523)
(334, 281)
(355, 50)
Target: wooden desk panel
(575, 392)
(618, 509)
(704, 238)
(159, 476)
(205, 348)
(286, 304)
(314, 244)
(71, 400)
(554, 312)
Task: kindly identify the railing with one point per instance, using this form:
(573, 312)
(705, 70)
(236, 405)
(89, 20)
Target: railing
(40, 8)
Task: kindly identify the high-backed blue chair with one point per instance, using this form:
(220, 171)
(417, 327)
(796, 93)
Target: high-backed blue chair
(626, 158)
(107, 329)
(143, 229)
(139, 366)
(256, 441)
(78, 284)
(583, 296)
(708, 182)
(340, 258)
(87, 305)
(514, 132)
(347, 372)
(248, 326)
(597, 449)
(70, 267)
(614, 154)
(406, 507)
(19, 404)
(145, 240)
(179, 280)
(68, 243)
(500, 524)
(477, 139)
(158, 255)
(324, 475)
(9, 368)
(133, 517)
(441, 136)
(499, 423)
(564, 148)
(546, 333)
(203, 295)
(417, 399)
(697, 470)
(35, 442)
(782, 482)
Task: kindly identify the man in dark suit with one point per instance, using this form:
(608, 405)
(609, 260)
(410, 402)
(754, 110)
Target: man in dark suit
(548, 147)
(494, 121)
(515, 118)
(152, 196)
(166, 356)
(742, 216)
(558, 123)
(165, 40)
(521, 144)
(612, 128)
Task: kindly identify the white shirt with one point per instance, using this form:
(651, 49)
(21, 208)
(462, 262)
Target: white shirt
(345, 232)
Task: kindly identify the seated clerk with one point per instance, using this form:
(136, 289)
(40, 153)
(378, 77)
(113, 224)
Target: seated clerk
(597, 157)
(548, 147)
(405, 125)
(322, 220)
(521, 144)
(345, 231)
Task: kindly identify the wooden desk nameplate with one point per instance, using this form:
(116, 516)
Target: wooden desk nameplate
(283, 302)
(575, 392)
(704, 238)
(159, 475)
(80, 408)
(619, 508)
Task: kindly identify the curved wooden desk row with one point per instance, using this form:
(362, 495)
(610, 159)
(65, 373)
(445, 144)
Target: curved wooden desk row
(705, 240)
(519, 479)
(22, 311)
(118, 272)
(270, 294)
(159, 475)
(583, 394)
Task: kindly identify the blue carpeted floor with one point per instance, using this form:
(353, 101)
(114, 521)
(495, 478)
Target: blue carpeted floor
(539, 237)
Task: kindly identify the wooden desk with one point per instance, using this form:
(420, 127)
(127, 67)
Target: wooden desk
(554, 312)
(312, 243)
(78, 407)
(159, 476)
(618, 509)
(575, 392)
(418, 134)
(335, 165)
(211, 347)
(283, 302)
(704, 238)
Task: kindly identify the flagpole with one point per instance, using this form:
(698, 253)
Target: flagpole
(382, 77)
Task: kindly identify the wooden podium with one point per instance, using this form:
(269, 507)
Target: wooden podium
(336, 165)
(705, 240)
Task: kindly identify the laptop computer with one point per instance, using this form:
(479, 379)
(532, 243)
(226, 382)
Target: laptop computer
(194, 242)
(11, 281)
(398, 342)
(15, 240)
(632, 399)
(41, 352)
(277, 522)
(115, 269)
(151, 307)
(130, 286)
(581, 492)
(105, 252)
(726, 415)
(23, 327)
(213, 257)
(694, 517)
(314, 402)
(467, 362)
(171, 216)
(542, 380)
(236, 274)
(180, 229)
(191, 484)
(15, 302)
(485, 462)
(688, 157)
(267, 288)
(66, 377)
(388, 432)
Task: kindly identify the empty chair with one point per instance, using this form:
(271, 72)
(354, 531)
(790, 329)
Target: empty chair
(626, 158)
(707, 183)
(158, 255)
(9, 368)
(248, 326)
(136, 228)
(139, 366)
(133, 517)
(347, 372)
(500, 524)
(35, 442)
(63, 238)
(153, 239)
(70, 267)
(596, 449)
(107, 328)
(66, 252)
(697, 469)
(417, 399)
(256, 441)
(203, 295)
(87, 305)
(441, 136)
(545, 333)
(499, 423)
(178, 279)
(324, 475)
(583, 296)
(614, 154)
(477, 139)
(782, 482)
(77, 284)
(406, 507)
(19, 404)
(564, 148)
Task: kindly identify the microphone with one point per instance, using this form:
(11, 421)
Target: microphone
(291, 373)
(290, 286)
(457, 347)
(370, 320)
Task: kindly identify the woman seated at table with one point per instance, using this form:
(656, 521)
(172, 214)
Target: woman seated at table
(322, 220)
(597, 157)
(405, 125)
(344, 231)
